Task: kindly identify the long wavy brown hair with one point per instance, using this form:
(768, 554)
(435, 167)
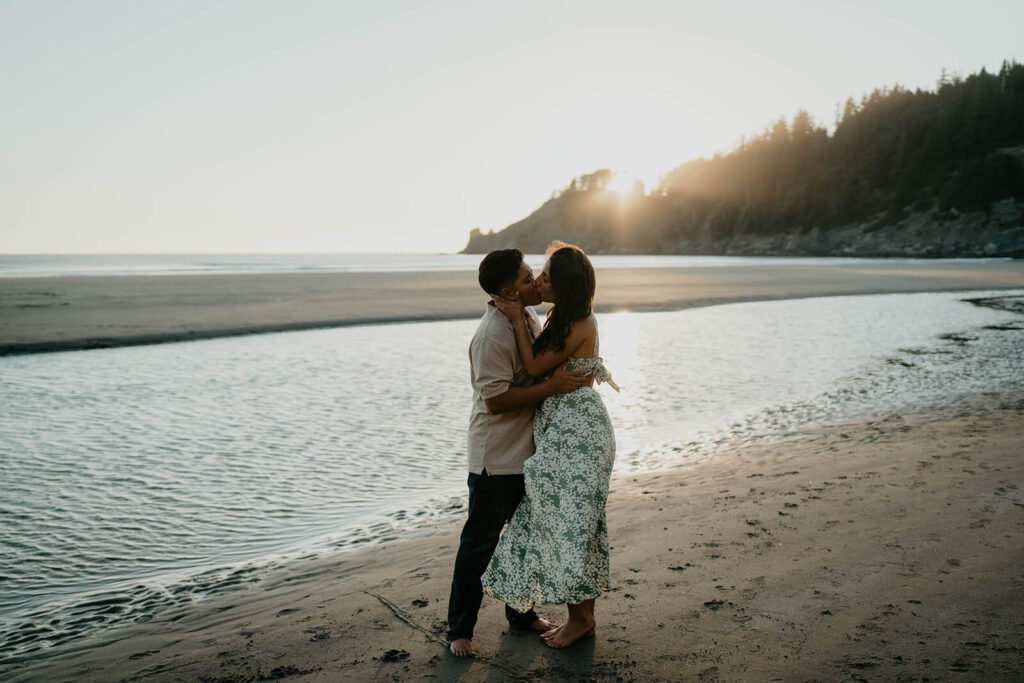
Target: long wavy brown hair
(573, 282)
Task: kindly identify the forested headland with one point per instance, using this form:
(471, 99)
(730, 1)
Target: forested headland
(903, 173)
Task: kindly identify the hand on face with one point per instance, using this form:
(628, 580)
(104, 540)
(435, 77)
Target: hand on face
(510, 308)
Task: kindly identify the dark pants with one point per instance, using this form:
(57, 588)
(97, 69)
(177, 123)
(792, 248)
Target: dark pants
(492, 500)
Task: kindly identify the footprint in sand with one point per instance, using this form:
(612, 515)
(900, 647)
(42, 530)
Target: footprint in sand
(393, 656)
(319, 634)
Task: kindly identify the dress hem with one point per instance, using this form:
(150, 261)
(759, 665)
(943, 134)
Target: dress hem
(516, 601)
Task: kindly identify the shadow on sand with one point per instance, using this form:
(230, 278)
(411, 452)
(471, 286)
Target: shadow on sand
(524, 656)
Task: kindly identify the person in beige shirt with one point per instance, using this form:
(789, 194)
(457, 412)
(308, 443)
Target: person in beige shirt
(500, 440)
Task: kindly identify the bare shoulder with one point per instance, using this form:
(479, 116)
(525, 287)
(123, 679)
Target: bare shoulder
(585, 326)
(581, 339)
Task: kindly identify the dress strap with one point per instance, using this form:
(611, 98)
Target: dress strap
(601, 374)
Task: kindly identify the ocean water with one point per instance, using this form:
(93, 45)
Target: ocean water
(46, 265)
(139, 480)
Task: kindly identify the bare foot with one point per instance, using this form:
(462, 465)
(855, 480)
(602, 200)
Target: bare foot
(550, 634)
(543, 625)
(461, 647)
(570, 632)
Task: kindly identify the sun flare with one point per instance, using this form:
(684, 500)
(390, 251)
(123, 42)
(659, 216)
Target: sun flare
(622, 182)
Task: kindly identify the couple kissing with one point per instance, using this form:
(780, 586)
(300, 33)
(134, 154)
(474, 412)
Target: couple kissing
(540, 452)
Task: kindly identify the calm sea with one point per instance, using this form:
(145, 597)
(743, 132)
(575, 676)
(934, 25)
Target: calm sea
(140, 479)
(44, 265)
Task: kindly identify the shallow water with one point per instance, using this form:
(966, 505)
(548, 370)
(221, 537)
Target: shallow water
(140, 478)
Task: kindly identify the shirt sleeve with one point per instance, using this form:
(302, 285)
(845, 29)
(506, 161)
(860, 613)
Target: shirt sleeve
(493, 368)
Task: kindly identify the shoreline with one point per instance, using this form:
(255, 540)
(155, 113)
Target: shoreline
(943, 348)
(65, 313)
(890, 545)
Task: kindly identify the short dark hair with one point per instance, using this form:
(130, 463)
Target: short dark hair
(499, 269)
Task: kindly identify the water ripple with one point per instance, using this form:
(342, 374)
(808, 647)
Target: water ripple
(140, 478)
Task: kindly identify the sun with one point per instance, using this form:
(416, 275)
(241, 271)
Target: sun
(621, 182)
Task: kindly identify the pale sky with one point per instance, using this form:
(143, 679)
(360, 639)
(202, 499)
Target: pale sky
(300, 126)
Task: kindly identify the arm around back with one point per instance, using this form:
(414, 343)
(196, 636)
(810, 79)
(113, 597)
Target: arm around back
(561, 382)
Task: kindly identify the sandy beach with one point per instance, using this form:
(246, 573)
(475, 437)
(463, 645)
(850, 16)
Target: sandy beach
(81, 312)
(881, 550)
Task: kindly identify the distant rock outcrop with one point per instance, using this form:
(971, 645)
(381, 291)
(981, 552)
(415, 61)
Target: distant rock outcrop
(930, 174)
(997, 231)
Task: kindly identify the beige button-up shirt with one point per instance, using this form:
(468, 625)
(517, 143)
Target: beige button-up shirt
(498, 443)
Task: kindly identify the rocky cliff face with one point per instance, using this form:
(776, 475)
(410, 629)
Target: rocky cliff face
(998, 231)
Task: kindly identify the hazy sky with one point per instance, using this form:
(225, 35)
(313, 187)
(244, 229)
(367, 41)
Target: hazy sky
(301, 126)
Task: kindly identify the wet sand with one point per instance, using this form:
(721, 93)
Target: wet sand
(881, 550)
(64, 313)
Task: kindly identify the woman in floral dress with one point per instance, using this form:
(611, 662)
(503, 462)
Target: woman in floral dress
(555, 548)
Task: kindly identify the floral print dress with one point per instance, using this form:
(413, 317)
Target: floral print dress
(555, 548)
